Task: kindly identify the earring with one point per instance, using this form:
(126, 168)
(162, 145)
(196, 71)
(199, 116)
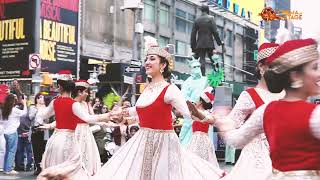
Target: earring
(261, 73)
(161, 71)
(296, 84)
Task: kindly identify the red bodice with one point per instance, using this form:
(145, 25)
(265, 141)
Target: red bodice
(65, 119)
(157, 115)
(200, 126)
(255, 97)
(287, 127)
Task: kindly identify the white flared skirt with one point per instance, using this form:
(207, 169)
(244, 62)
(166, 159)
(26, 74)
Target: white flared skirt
(71, 153)
(254, 161)
(89, 149)
(157, 155)
(201, 145)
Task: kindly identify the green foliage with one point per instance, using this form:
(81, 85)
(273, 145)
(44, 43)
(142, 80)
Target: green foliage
(109, 99)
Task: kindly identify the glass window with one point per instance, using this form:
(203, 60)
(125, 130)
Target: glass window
(181, 48)
(189, 29)
(163, 41)
(181, 13)
(184, 21)
(229, 38)
(181, 25)
(164, 15)
(149, 10)
(220, 31)
(191, 17)
(179, 59)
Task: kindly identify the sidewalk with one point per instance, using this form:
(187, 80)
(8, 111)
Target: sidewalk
(29, 175)
(20, 176)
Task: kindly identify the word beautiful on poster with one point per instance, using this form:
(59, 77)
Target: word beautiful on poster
(56, 34)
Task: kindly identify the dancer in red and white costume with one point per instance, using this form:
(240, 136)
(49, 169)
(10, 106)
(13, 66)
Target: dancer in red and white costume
(254, 161)
(89, 150)
(62, 154)
(154, 152)
(200, 143)
(291, 125)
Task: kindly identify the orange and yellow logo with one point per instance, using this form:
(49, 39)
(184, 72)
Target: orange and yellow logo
(269, 14)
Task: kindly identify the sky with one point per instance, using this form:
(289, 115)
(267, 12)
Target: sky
(310, 22)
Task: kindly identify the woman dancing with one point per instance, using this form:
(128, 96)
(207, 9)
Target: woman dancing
(200, 143)
(154, 152)
(291, 124)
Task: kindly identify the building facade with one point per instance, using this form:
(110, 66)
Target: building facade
(272, 27)
(106, 33)
(171, 22)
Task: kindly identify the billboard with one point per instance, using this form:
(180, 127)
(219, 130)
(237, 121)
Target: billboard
(59, 35)
(16, 37)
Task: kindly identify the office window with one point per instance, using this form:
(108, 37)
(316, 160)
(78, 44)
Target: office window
(179, 59)
(184, 21)
(191, 19)
(229, 38)
(163, 41)
(181, 24)
(149, 10)
(181, 48)
(181, 14)
(164, 15)
(220, 32)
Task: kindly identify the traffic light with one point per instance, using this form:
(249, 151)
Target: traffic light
(46, 79)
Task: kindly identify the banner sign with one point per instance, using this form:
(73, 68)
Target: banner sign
(16, 37)
(59, 35)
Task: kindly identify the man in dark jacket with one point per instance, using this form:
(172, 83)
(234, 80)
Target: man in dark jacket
(204, 31)
(24, 144)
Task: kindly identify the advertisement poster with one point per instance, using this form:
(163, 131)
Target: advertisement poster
(16, 37)
(59, 35)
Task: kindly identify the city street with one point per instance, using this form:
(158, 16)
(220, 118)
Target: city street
(29, 175)
(21, 175)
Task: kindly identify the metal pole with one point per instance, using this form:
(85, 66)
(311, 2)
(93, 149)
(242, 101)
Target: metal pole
(134, 57)
(234, 67)
(36, 78)
(80, 15)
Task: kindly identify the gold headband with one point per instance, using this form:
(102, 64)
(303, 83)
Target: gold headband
(156, 50)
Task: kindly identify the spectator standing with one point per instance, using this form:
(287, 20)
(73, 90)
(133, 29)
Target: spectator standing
(24, 143)
(11, 117)
(39, 137)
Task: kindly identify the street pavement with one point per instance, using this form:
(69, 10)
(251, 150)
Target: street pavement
(29, 175)
(21, 175)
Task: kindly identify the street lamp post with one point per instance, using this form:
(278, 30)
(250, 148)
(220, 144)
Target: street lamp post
(36, 78)
(134, 57)
(135, 6)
